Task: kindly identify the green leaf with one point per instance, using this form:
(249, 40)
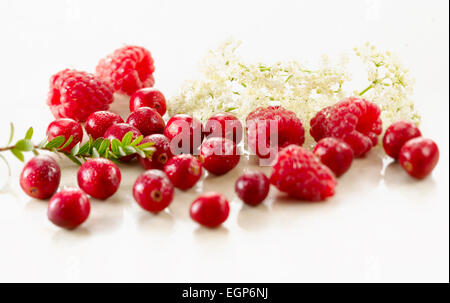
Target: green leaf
(103, 147)
(95, 153)
(126, 140)
(83, 149)
(29, 134)
(145, 145)
(18, 154)
(141, 153)
(97, 143)
(129, 150)
(24, 145)
(230, 109)
(7, 164)
(73, 159)
(35, 152)
(55, 143)
(115, 144)
(42, 143)
(67, 143)
(121, 151)
(137, 140)
(76, 149)
(11, 133)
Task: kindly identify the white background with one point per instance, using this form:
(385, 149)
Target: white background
(381, 226)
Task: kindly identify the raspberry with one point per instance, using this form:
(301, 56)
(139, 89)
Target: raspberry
(74, 94)
(397, 135)
(354, 120)
(252, 187)
(290, 129)
(147, 120)
(210, 209)
(69, 208)
(153, 191)
(183, 171)
(65, 127)
(148, 97)
(99, 178)
(128, 69)
(419, 156)
(300, 174)
(224, 125)
(161, 154)
(118, 131)
(219, 155)
(40, 177)
(334, 153)
(185, 134)
(98, 123)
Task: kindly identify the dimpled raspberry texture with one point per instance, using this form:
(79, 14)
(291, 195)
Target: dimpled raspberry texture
(75, 94)
(299, 173)
(128, 69)
(354, 120)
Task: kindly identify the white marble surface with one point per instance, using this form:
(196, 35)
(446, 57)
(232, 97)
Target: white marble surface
(381, 226)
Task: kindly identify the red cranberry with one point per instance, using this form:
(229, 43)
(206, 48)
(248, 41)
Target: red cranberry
(40, 177)
(418, 157)
(185, 134)
(153, 191)
(252, 187)
(118, 131)
(98, 123)
(65, 127)
(148, 97)
(224, 125)
(334, 153)
(161, 154)
(147, 120)
(397, 135)
(210, 209)
(219, 155)
(99, 178)
(183, 171)
(69, 208)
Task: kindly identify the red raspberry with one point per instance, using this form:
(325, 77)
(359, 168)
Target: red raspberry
(224, 125)
(148, 97)
(252, 187)
(258, 122)
(354, 120)
(397, 135)
(161, 154)
(74, 94)
(210, 209)
(300, 174)
(40, 177)
(183, 171)
(99, 178)
(118, 131)
(69, 208)
(185, 133)
(128, 69)
(65, 127)
(219, 155)
(334, 153)
(98, 123)
(153, 191)
(418, 157)
(147, 120)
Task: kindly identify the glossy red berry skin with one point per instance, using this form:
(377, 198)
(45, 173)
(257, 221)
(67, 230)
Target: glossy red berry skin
(210, 209)
(147, 121)
(334, 153)
(161, 154)
(419, 156)
(153, 191)
(224, 125)
(219, 155)
(99, 178)
(118, 131)
(40, 177)
(65, 127)
(397, 135)
(69, 208)
(252, 187)
(98, 123)
(183, 171)
(185, 133)
(148, 97)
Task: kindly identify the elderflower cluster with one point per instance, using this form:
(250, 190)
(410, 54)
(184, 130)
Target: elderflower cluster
(229, 84)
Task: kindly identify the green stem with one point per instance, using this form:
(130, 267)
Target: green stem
(367, 89)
